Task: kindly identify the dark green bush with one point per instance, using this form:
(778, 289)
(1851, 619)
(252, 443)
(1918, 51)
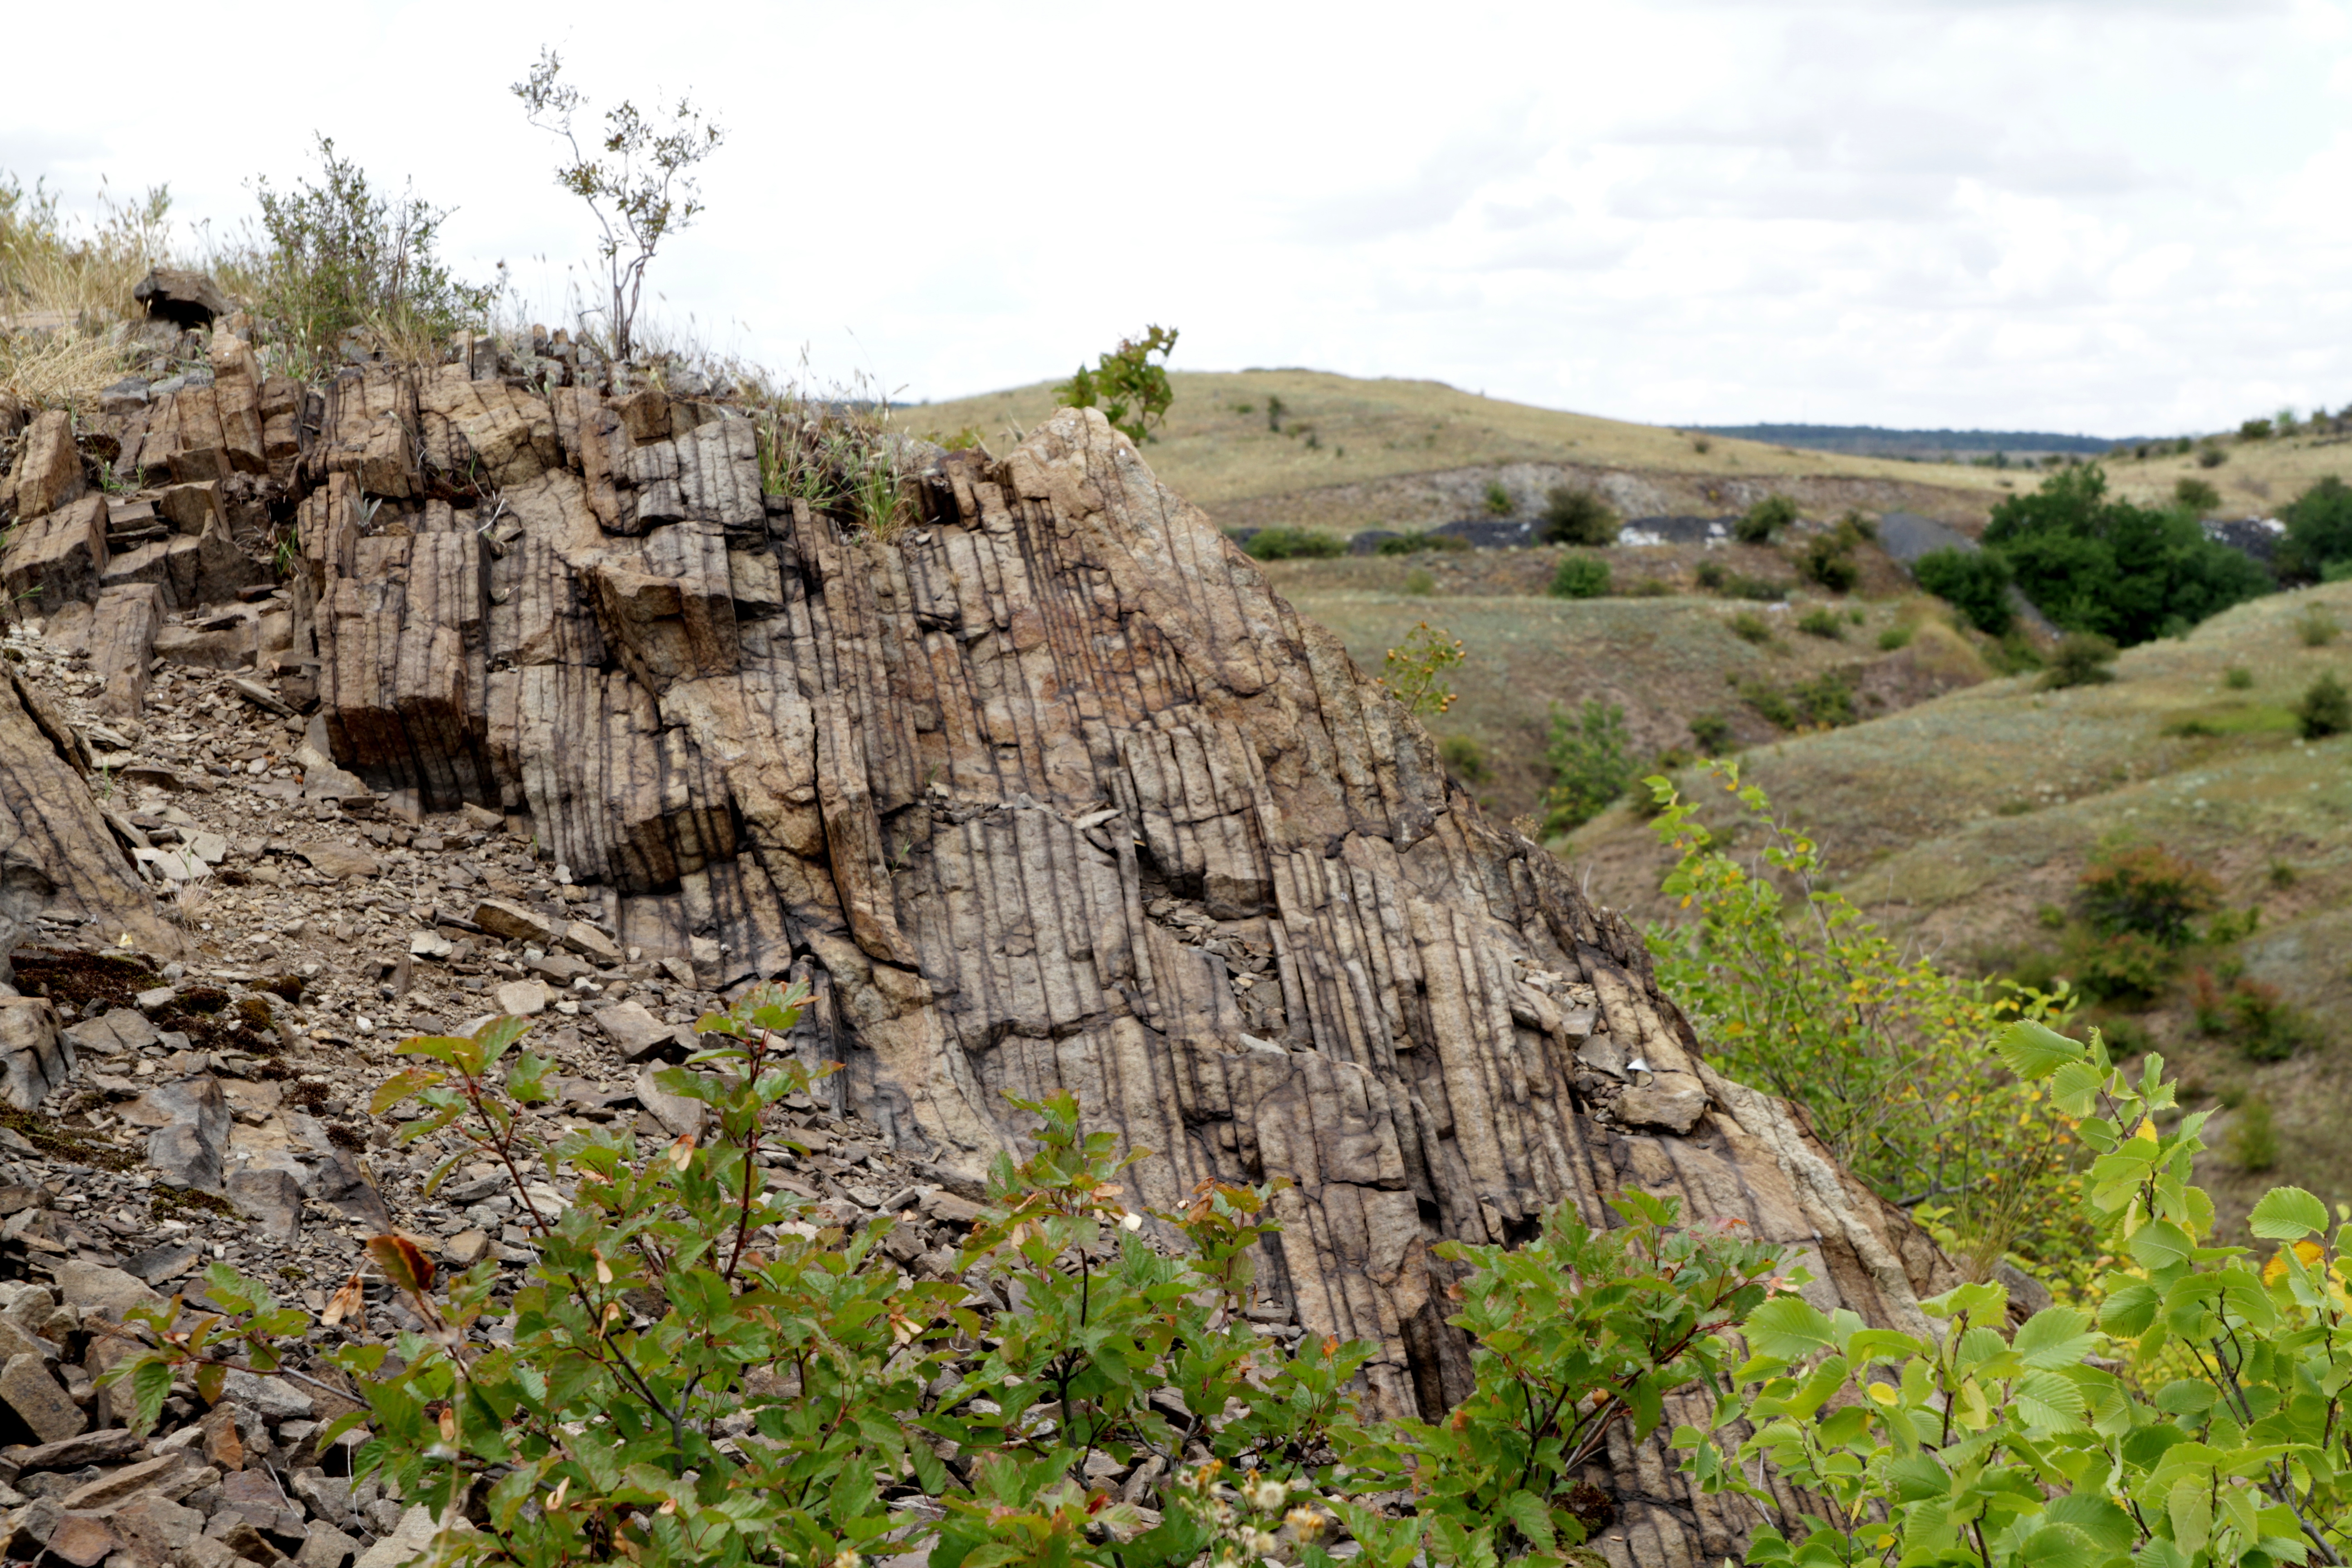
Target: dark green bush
(2253, 1137)
(1413, 543)
(2081, 659)
(1573, 516)
(2254, 430)
(1827, 699)
(2093, 563)
(2318, 530)
(1293, 543)
(2198, 495)
(1832, 566)
(2211, 456)
(1767, 517)
(1895, 637)
(1498, 499)
(2326, 709)
(1973, 582)
(2142, 891)
(1580, 577)
(1711, 733)
(2124, 967)
(1821, 622)
(1709, 575)
(1749, 627)
(1761, 589)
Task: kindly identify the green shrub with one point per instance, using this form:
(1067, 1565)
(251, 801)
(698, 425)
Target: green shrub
(2254, 430)
(1132, 391)
(1761, 589)
(1293, 543)
(2121, 967)
(1767, 518)
(2238, 678)
(2318, 530)
(1651, 588)
(2095, 564)
(2212, 456)
(1709, 575)
(1466, 759)
(1826, 700)
(1573, 516)
(2326, 709)
(2253, 1137)
(2315, 627)
(2081, 659)
(1580, 577)
(339, 256)
(1895, 637)
(1769, 702)
(1973, 582)
(2268, 1030)
(2198, 495)
(1411, 543)
(1828, 558)
(1498, 499)
(1792, 989)
(1419, 583)
(2142, 891)
(2134, 1429)
(1711, 733)
(1591, 763)
(1821, 622)
(1749, 627)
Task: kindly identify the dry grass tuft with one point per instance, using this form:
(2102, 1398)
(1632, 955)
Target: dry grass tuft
(65, 291)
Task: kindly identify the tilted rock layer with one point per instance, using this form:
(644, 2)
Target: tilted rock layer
(1047, 790)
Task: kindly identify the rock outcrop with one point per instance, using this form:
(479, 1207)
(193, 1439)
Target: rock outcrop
(1044, 788)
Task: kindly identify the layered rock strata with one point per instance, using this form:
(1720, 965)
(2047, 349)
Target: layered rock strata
(1042, 789)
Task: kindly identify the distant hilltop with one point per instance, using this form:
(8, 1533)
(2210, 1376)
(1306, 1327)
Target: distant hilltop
(1877, 441)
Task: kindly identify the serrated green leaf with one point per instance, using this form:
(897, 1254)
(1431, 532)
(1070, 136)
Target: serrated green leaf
(1526, 1510)
(2161, 1244)
(2033, 1051)
(2288, 1214)
(2052, 1337)
(1788, 1327)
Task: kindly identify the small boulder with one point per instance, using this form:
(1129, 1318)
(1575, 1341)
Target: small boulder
(182, 295)
(524, 998)
(272, 1199)
(26, 1388)
(513, 922)
(591, 943)
(410, 1539)
(34, 1055)
(332, 859)
(640, 1036)
(1670, 1101)
(93, 1288)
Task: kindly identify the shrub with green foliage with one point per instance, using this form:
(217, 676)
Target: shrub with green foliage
(1130, 388)
(1293, 544)
(2198, 1419)
(1575, 516)
(1973, 582)
(2318, 530)
(1591, 759)
(1498, 501)
(1896, 638)
(2326, 709)
(1760, 523)
(1792, 989)
(339, 254)
(1414, 543)
(1710, 733)
(2081, 659)
(1821, 622)
(2144, 890)
(2253, 1137)
(1749, 627)
(1580, 577)
(2095, 564)
(2255, 430)
(2198, 495)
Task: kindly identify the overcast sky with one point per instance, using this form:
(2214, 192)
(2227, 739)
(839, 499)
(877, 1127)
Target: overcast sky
(2116, 217)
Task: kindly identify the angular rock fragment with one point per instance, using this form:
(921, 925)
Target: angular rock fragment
(26, 1388)
(35, 1058)
(182, 297)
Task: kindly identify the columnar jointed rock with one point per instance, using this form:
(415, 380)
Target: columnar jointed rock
(1050, 790)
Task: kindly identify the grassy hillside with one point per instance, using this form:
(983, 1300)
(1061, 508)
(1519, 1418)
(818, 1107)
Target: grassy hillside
(1664, 657)
(1345, 442)
(1963, 819)
(2256, 478)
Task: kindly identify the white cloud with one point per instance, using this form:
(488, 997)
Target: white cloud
(2116, 217)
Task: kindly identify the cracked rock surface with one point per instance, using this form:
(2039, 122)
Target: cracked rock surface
(558, 714)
